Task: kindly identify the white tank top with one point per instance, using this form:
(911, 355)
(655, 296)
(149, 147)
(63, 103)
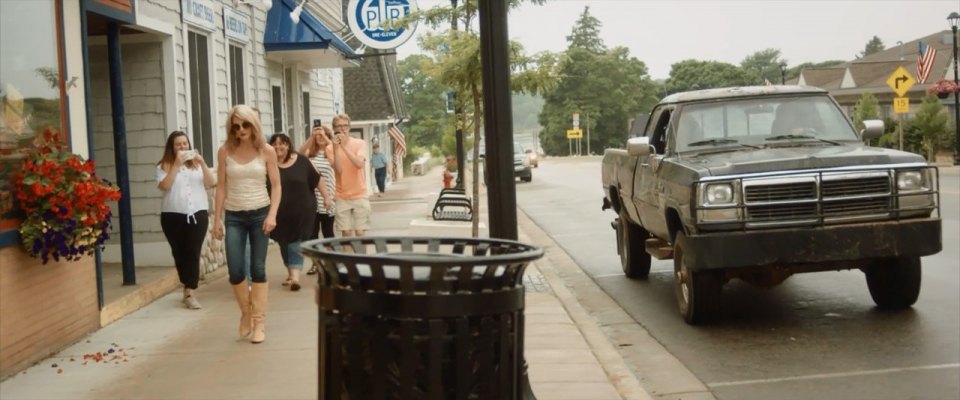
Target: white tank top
(246, 185)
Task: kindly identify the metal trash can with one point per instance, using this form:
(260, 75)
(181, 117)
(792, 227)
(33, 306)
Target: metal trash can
(421, 318)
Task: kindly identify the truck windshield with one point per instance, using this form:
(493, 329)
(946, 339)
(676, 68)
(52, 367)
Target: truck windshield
(760, 122)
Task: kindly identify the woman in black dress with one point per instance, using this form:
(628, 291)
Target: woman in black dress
(298, 204)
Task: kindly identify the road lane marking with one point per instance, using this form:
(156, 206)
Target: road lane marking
(831, 376)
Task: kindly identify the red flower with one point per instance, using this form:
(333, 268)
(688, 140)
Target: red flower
(60, 192)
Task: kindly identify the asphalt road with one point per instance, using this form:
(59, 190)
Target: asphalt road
(816, 336)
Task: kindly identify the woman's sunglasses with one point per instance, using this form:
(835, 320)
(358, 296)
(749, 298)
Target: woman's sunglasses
(246, 125)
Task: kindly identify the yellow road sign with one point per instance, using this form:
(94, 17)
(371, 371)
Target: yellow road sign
(901, 81)
(574, 133)
(901, 105)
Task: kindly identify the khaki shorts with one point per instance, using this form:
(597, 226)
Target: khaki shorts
(353, 215)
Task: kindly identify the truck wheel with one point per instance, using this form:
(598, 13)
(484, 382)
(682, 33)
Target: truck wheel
(894, 282)
(633, 257)
(698, 292)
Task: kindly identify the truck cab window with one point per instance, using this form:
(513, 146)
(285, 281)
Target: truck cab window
(658, 137)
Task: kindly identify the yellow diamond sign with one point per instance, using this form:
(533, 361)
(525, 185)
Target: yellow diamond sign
(901, 81)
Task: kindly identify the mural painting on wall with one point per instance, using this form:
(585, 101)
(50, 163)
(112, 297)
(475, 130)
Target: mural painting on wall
(29, 93)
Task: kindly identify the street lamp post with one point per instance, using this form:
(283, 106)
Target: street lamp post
(783, 73)
(954, 18)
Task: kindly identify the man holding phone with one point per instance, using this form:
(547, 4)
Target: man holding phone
(349, 162)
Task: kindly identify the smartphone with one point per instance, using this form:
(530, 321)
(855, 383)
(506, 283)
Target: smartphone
(316, 123)
(187, 155)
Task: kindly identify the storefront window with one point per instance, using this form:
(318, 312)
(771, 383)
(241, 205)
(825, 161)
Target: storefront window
(29, 90)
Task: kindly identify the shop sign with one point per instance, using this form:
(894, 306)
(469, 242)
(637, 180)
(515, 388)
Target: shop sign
(199, 13)
(236, 25)
(375, 24)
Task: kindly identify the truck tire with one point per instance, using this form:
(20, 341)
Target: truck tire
(698, 292)
(633, 257)
(894, 282)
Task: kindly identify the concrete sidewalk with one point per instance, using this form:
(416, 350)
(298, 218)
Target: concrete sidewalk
(164, 351)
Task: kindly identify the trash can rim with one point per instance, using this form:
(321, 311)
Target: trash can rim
(314, 248)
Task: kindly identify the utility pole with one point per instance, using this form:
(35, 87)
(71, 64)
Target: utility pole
(954, 18)
(587, 115)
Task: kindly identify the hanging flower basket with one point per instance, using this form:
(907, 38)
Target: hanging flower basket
(67, 215)
(943, 88)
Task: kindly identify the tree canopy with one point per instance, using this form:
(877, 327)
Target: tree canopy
(586, 34)
(695, 74)
(606, 86)
(875, 45)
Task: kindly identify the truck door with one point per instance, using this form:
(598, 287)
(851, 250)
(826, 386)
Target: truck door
(647, 185)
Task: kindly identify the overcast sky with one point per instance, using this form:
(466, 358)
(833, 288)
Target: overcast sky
(660, 33)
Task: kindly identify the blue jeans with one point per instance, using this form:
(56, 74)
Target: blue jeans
(244, 227)
(290, 252)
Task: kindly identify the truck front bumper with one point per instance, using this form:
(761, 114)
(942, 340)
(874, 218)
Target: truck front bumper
(835, 244)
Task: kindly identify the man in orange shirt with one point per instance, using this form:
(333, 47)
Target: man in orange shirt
(349, 163)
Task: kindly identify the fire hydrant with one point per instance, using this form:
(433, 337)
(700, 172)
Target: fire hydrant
(447, 178)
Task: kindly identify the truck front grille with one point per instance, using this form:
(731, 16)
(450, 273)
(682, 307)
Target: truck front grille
(812, 198)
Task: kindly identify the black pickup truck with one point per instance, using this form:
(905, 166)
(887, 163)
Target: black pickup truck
(759, 183)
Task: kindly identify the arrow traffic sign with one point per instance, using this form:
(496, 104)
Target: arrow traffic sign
(574, 133)
(900, 81)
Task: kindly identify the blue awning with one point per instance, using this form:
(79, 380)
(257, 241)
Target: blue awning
(310, 42)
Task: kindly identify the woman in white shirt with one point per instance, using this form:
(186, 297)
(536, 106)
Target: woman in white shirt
(183, 176)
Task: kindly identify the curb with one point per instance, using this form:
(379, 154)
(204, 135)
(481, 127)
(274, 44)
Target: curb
(615, 367)
(135, 300)
(603, 323)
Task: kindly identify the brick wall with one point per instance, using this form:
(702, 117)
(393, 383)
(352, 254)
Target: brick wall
(43, 308)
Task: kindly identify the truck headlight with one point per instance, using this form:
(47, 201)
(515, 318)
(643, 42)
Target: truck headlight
(718, 202)
(718, 193)
(908, 181)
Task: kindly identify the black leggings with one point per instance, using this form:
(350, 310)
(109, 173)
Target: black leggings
(186, 241)
(322, 223)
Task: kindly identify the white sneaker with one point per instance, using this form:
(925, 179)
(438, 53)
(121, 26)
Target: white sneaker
(191, 302)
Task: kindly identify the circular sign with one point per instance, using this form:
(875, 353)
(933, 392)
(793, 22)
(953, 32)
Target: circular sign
(372, 22)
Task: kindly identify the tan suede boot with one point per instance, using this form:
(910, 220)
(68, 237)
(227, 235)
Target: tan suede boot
(258, 316)
(242, 293)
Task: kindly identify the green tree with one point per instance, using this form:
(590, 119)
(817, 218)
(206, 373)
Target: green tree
(929, 129)
(874, 45)
(425, 99)
(586, 34)
(606, 86)
(867, 107)
(695, 74)
(456, 63)
(764, 64)
(526, 107)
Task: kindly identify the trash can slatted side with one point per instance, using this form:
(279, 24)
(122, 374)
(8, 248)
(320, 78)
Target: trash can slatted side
(421, 318)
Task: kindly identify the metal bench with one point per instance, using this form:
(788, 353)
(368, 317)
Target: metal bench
(453, 204)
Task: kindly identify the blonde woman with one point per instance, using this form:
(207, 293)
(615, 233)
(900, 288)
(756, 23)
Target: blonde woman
(248, 211)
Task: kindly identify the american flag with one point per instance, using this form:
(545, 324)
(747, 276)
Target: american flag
(925, 62)
(399, 144)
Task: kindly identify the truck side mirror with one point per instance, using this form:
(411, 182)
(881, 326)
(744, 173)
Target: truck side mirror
(872, 129)
(639, 146)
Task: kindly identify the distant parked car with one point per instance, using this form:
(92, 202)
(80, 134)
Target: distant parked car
(532, 158)
(521, 163)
